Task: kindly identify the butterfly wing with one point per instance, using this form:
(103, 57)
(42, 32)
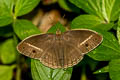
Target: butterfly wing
(38, 47)
(77, 43)
(86, 40)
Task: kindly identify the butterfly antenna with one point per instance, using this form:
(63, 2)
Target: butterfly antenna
(64, 16)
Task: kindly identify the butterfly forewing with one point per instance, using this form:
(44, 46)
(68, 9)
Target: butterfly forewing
(36, 45)
(85, 40)
(60, 51)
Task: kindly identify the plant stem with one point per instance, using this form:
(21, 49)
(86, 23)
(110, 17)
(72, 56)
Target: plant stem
(18, 74)
(83, 76)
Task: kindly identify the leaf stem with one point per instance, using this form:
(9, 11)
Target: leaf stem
(18, 74)
(83, 76)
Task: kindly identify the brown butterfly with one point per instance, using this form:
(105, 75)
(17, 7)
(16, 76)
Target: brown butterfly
(61, 50)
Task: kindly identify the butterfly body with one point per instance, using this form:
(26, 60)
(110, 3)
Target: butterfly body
(60, 50)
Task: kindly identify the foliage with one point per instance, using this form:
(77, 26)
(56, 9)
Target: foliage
(100, 15)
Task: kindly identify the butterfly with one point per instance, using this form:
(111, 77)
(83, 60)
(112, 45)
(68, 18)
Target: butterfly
(60, 50)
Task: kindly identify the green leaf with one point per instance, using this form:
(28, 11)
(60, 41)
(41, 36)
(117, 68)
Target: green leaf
(41, 72)
(90, 21)
(6, 7)
(105, 27)
(105, 9)
(114, 69)
(102, 70)
(0, 49)
(65, 4)
(5, 20)
(90, 6)
(24, 28)
(25, 6)
(118, 30)
(115, 9)
(115, 26)
(109, 49)
(56, 27)
(8, 51)
(6, 72)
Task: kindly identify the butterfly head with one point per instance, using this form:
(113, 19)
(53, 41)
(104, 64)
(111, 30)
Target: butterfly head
(58, 32)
